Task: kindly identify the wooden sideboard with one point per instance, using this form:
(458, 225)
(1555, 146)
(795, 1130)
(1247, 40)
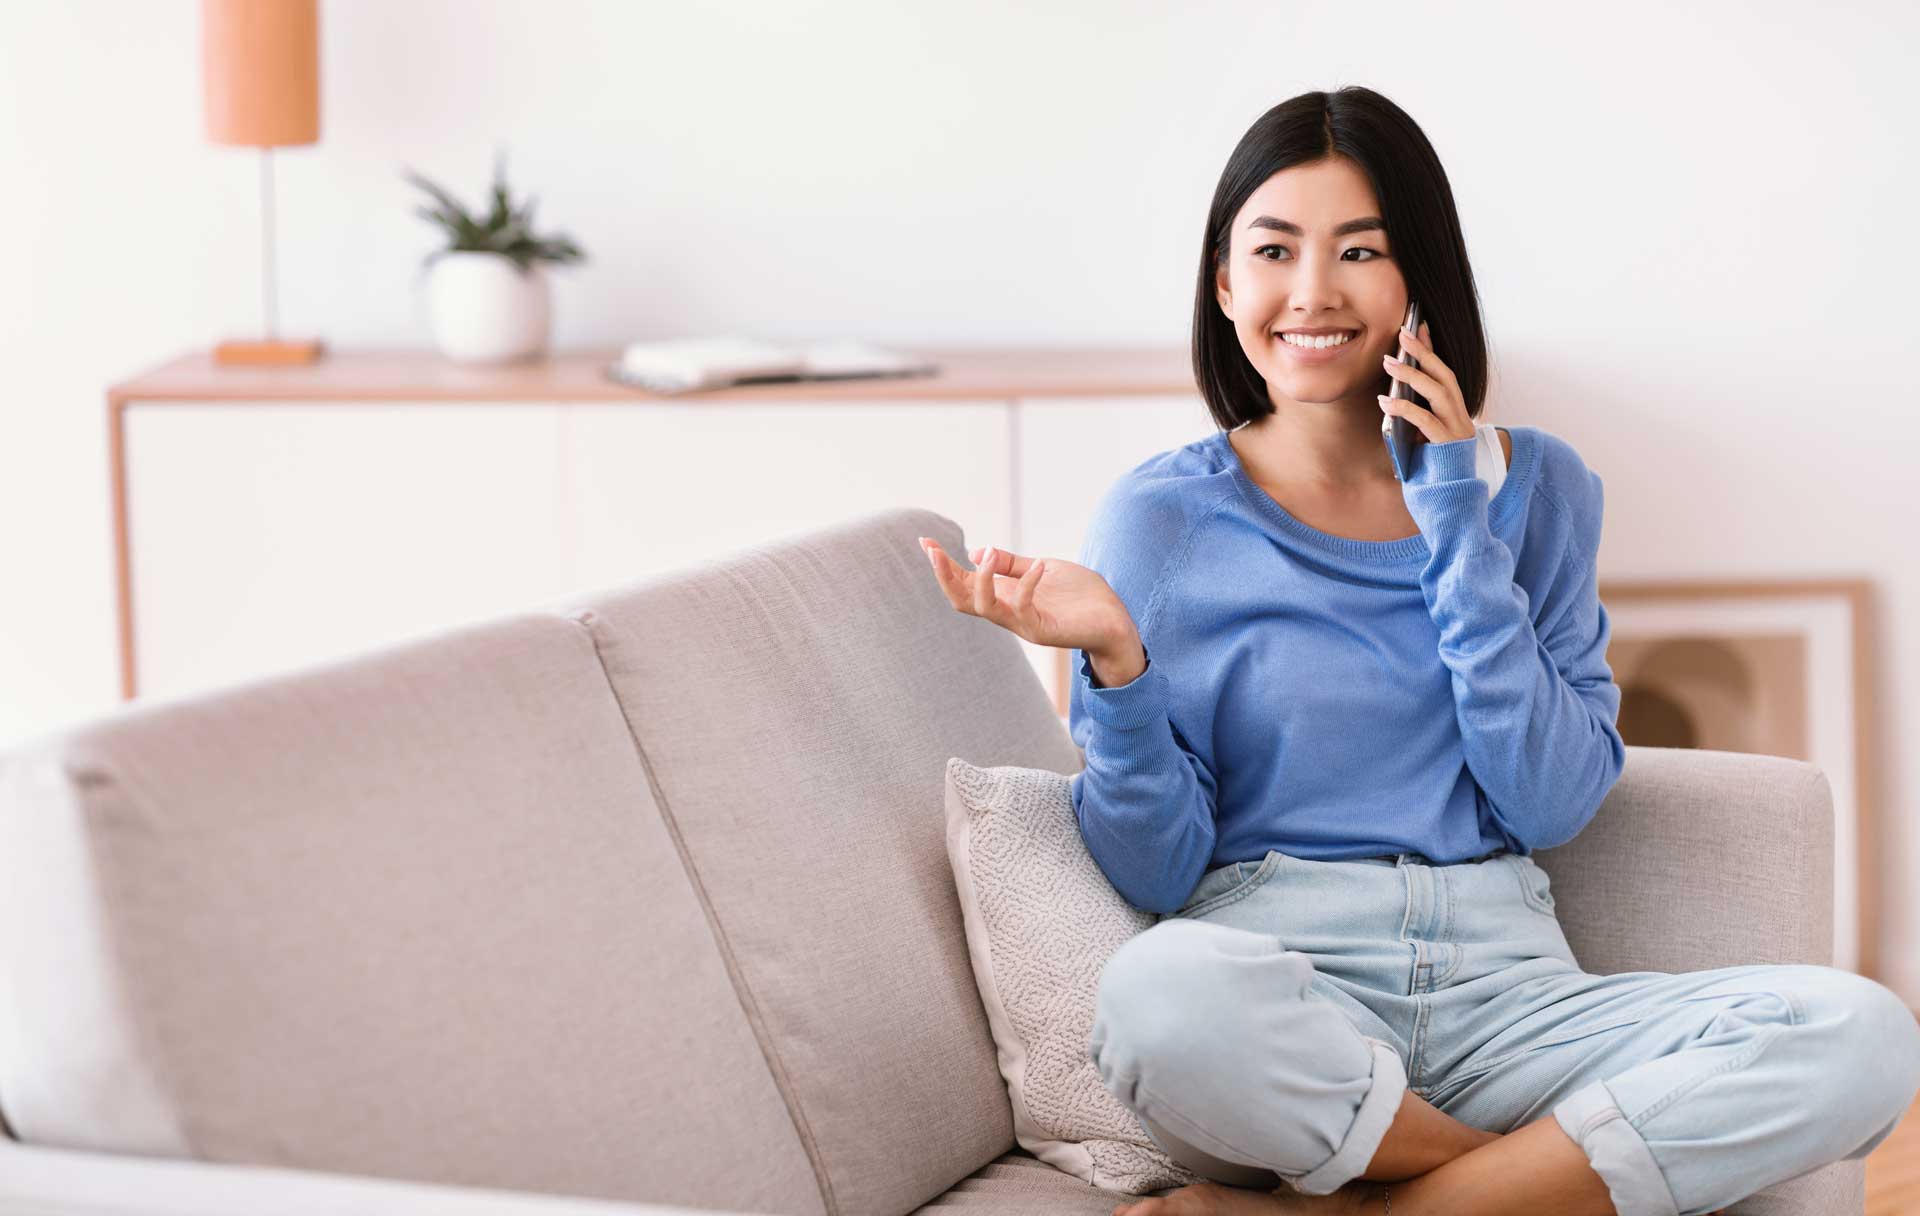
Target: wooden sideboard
(269, 517)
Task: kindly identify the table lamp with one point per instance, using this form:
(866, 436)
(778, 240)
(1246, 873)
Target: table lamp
(260, 61)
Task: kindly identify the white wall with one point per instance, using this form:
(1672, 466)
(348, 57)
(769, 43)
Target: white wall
(1690, 226)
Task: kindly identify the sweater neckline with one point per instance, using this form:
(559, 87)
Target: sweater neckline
(1384, 552)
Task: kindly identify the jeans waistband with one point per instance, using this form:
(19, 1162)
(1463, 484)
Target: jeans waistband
(1421, 859)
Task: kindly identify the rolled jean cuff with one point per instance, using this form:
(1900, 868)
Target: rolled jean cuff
(1618, 1153)
(1377, 1111)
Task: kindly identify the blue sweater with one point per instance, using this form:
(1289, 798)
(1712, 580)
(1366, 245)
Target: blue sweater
(1445, 694)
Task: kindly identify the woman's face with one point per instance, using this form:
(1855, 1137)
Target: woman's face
(1291, 266)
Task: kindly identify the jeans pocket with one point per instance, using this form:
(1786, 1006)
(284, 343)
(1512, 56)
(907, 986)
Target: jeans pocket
(1225, 884)
(1536, 886)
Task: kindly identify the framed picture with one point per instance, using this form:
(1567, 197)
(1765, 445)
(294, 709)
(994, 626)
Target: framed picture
(1776, 668)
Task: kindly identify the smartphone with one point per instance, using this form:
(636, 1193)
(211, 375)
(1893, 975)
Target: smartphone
(1400, 434)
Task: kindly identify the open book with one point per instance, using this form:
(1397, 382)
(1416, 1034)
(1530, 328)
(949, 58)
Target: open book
(684, 364)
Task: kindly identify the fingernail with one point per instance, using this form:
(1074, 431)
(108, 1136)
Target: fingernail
(986, 555)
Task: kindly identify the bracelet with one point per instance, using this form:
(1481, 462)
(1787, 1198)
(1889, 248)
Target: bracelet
(1386, 1193)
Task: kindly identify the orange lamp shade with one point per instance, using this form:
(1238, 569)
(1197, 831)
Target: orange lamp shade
(260, 60)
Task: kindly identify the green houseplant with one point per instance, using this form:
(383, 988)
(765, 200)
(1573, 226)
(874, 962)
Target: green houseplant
(488, 296)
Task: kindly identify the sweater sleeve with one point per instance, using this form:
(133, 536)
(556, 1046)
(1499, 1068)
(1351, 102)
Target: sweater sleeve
(1144, 801)
(1532, 690)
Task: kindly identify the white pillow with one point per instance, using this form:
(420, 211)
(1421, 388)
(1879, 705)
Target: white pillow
(1041, 921)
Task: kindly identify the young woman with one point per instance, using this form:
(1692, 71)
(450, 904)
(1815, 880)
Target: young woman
(1327, 716)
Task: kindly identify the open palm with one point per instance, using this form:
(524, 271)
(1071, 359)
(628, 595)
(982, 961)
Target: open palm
(1049, 601)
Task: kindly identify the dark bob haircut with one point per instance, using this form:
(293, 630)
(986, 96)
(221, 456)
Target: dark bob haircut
(1423, 229)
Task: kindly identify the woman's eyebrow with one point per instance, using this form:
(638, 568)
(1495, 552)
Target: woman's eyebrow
(1369, 223)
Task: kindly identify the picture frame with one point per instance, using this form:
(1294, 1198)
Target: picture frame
(1770, 667)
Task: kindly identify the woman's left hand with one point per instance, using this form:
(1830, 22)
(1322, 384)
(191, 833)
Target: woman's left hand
(1448, 420)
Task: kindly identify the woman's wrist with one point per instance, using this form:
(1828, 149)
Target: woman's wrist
(1120, 663)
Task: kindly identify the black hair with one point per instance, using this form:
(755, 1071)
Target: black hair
(1423, 229)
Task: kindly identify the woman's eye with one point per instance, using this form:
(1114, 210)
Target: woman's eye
(1375, 253)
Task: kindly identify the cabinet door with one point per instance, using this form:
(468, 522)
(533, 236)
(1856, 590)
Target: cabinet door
(1072, 451)
(268, 535)
(650, 489)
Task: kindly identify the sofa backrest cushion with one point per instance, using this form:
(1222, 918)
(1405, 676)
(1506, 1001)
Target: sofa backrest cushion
(411, 915)
(795, 706)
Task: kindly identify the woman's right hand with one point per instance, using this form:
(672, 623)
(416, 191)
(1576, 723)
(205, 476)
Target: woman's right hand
(1049, 601)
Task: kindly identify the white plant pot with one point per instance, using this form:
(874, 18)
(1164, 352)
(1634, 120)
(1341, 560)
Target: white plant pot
(483, 310)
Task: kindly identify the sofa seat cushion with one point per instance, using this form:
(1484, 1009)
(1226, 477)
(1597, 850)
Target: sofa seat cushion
(1018, 1181)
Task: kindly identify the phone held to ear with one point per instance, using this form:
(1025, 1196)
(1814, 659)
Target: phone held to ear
(1400, 434)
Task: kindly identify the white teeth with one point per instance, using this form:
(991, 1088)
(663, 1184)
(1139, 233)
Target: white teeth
(1315, 343)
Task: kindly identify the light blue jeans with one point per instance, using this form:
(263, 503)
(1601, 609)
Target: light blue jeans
(1265, 1033)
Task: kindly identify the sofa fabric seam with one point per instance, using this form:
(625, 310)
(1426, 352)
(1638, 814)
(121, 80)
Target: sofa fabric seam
(743, 992)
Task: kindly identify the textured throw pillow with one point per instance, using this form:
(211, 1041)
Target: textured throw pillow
(1041, 921)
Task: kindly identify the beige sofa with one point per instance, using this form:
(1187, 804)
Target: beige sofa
(634, 904)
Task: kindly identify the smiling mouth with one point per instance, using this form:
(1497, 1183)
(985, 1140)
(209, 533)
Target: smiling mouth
(1331, 342)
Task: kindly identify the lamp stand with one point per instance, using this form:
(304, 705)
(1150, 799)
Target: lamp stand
(271, 349)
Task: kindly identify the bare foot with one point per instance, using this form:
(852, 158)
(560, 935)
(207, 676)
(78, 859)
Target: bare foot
(1218, 1199)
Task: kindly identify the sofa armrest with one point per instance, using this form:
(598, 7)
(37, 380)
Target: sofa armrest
(1700, 859)
(36, 1181)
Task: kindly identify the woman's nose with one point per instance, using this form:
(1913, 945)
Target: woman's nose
(1313, 293)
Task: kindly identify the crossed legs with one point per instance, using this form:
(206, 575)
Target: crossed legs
(1790, 1067)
